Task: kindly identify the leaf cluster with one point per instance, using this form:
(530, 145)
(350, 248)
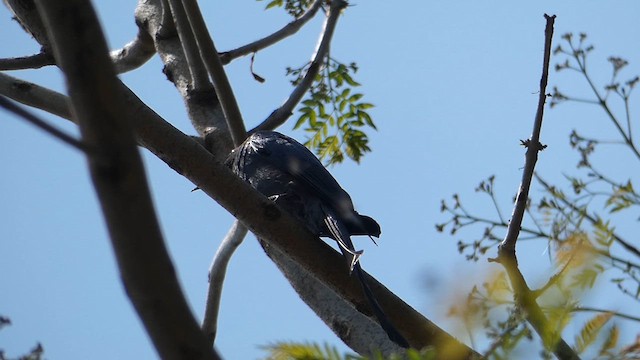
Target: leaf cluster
(333, 114)
(294, 8)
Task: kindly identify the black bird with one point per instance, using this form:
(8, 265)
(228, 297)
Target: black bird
(288, 173)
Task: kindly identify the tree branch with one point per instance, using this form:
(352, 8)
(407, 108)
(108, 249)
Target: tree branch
(216, 71)
(280, 115)
(592, 219)
(38, 122)
(190, 159)
(199, 76)
(525, 298)
(116, 168)
(35, 96)
(134, 54)
(217, 273)
(27, 62)
(202, 106)
(288, 30)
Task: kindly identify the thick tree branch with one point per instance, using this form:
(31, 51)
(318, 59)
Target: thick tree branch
(265, 219)
(209, 54)
(280, 115)
(116, 169)
(199, 76)
(202, 106)
(288, 30)
(216, 71)
(525, 298)
(190, 159)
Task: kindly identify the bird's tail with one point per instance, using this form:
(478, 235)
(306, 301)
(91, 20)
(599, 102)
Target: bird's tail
(340, 233)
(386, 325)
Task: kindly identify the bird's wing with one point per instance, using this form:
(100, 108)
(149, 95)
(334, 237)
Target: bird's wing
(295, 159)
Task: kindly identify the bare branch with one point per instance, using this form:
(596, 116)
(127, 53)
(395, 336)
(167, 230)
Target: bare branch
(134, 54)
(209, 54)
(216, 71)
(105, 123)
(524, 296)
(199, 76)
(27, 62)
(280, 115)
(288, 30)
(217, 273)
(278, 228)
(202, 106)
(35, 96)
(37, 121)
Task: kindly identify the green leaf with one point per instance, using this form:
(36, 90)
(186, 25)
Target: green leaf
(274, 3)
(355, 97)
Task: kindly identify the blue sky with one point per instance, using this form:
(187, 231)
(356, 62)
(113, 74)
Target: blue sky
(455, 87)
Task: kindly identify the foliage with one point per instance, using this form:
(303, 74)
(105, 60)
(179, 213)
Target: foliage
(296, 351)
(333, 114)
(577, 221)
(294, 8)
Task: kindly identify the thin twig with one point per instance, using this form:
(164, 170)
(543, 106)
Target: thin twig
(27, 62)
(592, 219)
(602, 101)
(614, 313)
(507, 250)
(280, 115)
(288, 30)
(37, 121)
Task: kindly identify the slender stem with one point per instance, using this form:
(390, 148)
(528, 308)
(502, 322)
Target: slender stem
(280, 115)
(37, 121)
(288, 30)
(217, 273)
(617, 314)
(27, 62)
(507, 250)
(592, 219)
(603, 103)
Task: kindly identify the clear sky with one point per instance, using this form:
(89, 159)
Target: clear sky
(455, 87)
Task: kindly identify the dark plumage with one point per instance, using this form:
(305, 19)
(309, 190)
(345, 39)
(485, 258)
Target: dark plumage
(288, 173)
